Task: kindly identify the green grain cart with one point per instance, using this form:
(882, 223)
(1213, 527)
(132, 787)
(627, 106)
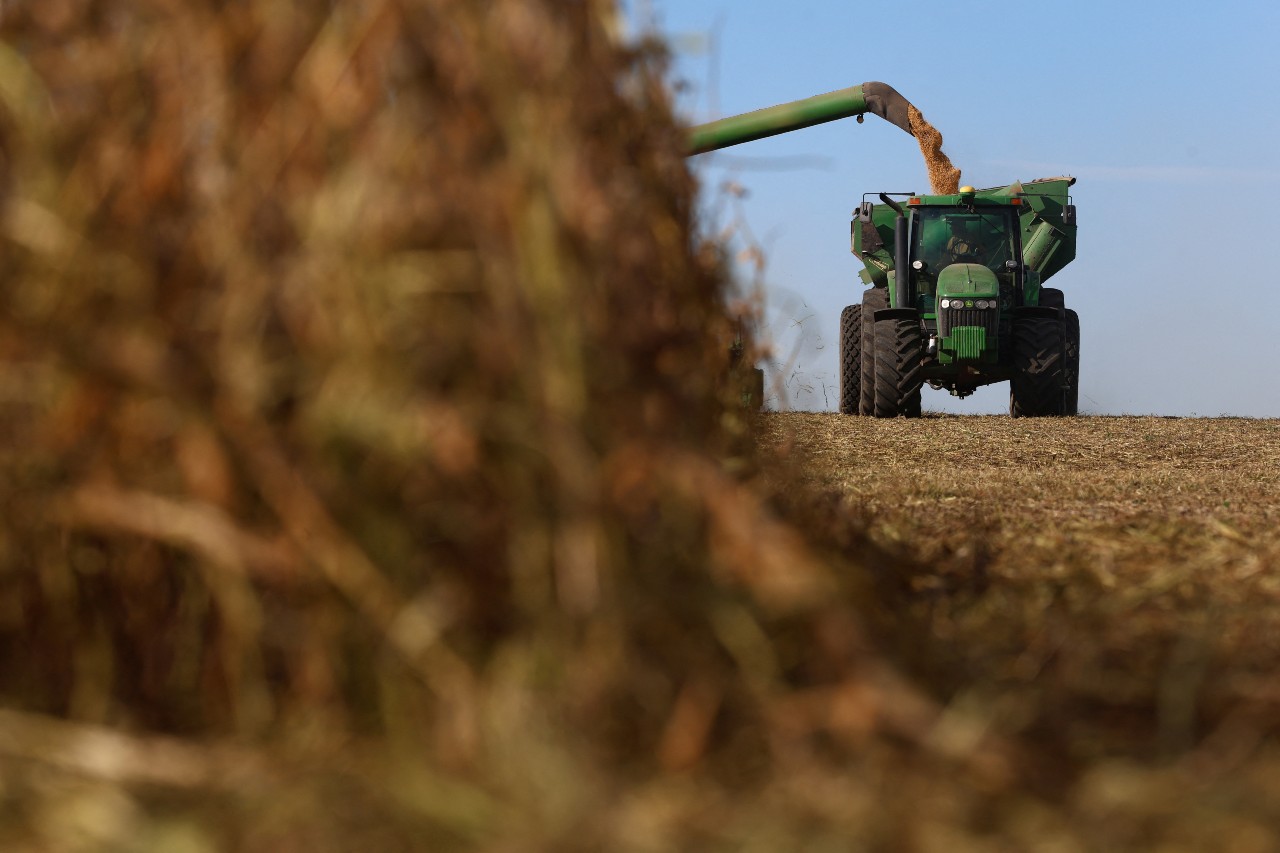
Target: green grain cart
(955, 294)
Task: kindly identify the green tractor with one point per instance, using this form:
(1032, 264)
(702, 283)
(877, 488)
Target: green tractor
(957, 300)
(955, 296)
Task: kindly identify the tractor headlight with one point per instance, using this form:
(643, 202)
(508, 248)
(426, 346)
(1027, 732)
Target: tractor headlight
(970, 303)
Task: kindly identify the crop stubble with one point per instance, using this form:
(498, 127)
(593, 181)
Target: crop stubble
(1112, 577)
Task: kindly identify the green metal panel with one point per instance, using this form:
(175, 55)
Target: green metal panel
(1031, 287)
(968, 280)
(873, 244)
(775, 120)
(1041, 245)
(967, 342)
(1048, 242)
(877, 98)
(893, 288)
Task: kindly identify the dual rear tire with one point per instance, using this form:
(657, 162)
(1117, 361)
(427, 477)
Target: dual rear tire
(851, 360)
(879, 361)
(873, 300)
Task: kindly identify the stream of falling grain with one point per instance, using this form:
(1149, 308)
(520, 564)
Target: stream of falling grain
(944, 178)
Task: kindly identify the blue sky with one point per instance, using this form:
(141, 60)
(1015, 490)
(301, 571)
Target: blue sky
(1167, 114)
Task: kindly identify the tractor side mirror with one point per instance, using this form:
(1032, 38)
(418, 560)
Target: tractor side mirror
(864, 211)
(1068, 214)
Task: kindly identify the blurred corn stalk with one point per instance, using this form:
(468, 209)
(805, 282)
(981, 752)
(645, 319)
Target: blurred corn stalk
(364, 437)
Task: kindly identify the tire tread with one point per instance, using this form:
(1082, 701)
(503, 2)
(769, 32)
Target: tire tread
(850, 359)
(1036, 389)
(873, 299)
(899, 350)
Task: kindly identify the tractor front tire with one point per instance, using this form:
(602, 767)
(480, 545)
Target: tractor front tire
(899, 351)
(850, 359)
(873, 299)
(1036, 389)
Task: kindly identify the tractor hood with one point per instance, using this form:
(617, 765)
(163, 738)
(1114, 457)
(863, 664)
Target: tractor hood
(967, 280)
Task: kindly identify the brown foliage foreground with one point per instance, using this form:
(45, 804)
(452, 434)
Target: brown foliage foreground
(367, 484)
(365, 472)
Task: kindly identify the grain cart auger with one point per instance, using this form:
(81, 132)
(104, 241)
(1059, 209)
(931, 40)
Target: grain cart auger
(878, 98)
(955, 294)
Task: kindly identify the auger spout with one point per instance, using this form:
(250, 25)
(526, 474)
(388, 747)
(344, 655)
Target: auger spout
(878, 98)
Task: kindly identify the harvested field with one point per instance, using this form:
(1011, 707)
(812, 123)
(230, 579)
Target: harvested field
(1101, 590)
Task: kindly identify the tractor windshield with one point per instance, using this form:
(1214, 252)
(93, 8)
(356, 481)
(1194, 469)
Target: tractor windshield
(941, 236)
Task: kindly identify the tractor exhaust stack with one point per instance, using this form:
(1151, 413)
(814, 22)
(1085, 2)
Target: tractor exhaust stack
(901, 276)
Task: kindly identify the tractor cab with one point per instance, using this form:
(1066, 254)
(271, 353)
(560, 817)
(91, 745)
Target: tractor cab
(962, 252)
(942, 236)
(964, 274)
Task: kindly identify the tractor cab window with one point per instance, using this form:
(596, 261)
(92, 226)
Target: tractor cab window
(941, 236)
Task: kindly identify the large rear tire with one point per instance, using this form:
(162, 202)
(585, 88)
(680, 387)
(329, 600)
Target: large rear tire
(1036, 389)
(899, 350)
(873, 299)
(1073, 363)
(850, 359)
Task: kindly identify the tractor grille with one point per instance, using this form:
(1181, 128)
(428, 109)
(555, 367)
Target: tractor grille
(983, 318)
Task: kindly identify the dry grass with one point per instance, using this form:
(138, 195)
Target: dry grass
(1102, 590)
(370, 471)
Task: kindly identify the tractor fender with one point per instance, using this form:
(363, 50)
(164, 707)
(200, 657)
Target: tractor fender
(896, 314)
(1030, 311)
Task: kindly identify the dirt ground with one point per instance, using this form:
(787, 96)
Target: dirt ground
(1104, 588)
